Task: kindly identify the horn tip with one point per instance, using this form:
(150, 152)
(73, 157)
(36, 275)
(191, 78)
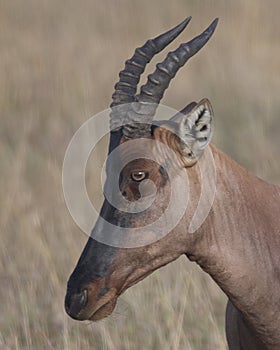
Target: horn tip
(181, 26)
(214, 23)
(187, 20)
(184, 23)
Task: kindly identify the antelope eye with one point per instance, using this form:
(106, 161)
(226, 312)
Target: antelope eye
(139, 175)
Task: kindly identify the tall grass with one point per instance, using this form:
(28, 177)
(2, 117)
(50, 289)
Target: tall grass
(58, 64)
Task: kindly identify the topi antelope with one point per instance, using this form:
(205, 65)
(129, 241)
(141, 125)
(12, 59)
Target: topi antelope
(238, 243)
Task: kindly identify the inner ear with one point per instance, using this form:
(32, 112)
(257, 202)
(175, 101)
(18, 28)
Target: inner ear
(196, 129)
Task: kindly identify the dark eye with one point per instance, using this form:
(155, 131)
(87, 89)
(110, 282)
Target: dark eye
(139, 175)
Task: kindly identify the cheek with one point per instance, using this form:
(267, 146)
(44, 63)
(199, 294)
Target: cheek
(135, 190)
(148, 188)
(131, 191)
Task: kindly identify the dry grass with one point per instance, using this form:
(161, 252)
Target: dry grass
(58, 63)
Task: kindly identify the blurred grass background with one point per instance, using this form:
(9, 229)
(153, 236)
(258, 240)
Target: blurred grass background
(59, 61)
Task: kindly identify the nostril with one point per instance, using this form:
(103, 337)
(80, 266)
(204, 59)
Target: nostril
(74, 303)
(84, 297)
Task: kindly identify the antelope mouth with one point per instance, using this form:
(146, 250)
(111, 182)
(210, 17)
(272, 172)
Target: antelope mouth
(100, 308)
(88, 306)
(106, 305)
(103, 310)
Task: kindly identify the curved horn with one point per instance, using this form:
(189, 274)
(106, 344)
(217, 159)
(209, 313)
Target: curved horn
(152, 92)
(125, 88)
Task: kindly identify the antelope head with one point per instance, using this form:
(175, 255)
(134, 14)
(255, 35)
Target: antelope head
(150, 158)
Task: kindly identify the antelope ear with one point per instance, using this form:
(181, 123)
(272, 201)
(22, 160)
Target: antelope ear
(196, 129)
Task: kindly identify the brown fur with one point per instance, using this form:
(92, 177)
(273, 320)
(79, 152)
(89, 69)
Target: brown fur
(238, 245)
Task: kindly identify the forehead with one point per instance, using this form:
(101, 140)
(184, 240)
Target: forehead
(138, 149)
(149, 152)
(140, 164)
(139, 154)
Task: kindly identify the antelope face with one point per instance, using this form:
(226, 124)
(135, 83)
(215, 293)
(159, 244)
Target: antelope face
(150, 159)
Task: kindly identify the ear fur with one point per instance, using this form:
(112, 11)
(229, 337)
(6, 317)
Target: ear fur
(178, 116)
(196, 130)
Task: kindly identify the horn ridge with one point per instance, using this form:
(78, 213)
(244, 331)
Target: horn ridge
(135, 66)
(151, 93)
(166, 70)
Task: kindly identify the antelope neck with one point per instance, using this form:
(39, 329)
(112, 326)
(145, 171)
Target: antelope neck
(237, 245)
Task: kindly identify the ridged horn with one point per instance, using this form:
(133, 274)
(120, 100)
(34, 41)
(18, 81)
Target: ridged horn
(125, 88)
(152, 92)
